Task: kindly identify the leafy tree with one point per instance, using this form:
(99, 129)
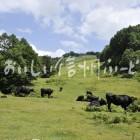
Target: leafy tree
(19, 51)
(127, 56)
(47, 62)
(123, 47)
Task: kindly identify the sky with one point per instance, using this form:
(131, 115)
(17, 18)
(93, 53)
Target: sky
(54, 27)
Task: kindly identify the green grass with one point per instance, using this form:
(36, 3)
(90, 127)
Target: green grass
(61, 117)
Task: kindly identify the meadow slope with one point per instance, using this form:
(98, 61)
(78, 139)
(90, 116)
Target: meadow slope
(61, 117)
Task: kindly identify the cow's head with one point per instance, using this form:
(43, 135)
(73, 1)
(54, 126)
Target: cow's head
(133, 99)
(102, 102)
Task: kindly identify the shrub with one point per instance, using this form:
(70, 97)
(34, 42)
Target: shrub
(137, 76)
(108, 119)
(95, 108)
(135, 107)
(116, 119)
(125, 119)
(126, 75)
(105, 118)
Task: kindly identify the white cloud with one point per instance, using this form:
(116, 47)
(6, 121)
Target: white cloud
(26, 30)
(102, 18)
(68, 43)
(57, 53)
(72, 45)
(105, 22)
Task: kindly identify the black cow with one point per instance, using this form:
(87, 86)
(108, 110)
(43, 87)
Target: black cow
(89, 93)
(60, 89)
(91, 98)
(45, 92)
(102, 102)
(23, 91)
(98, 103)
(3, 96)
(6, 90)
(120, 100)
(80, 98)
(94, 103)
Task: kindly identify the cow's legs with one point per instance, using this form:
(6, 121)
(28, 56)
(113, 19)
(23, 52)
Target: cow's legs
(42, 94)
(49, 95)
(109, 106)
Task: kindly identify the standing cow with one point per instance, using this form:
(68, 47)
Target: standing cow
(120, 100)
(45, 92)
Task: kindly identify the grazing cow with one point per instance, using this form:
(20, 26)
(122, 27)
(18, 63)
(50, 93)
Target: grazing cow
(23, 91)
(120, 100)
(80, 98)
(6, 90)
(47, 91)
(60, 89)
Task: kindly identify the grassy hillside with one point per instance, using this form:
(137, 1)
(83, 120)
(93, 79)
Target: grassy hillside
(61, 117)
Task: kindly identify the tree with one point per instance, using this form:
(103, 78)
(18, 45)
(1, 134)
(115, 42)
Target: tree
(127, 56)
(19, 51)
(47, 62)
(123, 46)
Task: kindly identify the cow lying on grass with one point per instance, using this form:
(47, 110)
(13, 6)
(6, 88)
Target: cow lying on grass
(6, 90)
(99, 102)
(80, 98)
(89, 97)
(120, 100)
(23, 91)
(94, 100)
(45, 92)
(3, 96)
(89, 93)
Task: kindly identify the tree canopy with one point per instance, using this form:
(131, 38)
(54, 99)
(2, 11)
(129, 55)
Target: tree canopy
(20, 52)
(123, 47)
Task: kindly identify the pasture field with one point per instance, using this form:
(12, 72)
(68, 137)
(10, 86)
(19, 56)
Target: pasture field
(61, 117)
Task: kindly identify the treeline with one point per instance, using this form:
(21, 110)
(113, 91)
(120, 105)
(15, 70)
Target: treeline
(74, 54)
(123, 48)
(18, 60)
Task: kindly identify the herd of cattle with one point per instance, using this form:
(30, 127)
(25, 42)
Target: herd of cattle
(120, 100)
(23, 91)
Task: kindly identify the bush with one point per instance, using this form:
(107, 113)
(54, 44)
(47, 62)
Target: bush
(126, 75)
(125, 119)
(116, 119)
(109, 119)
(137, 76)
(106, 75)
(135, 107)
(95, 108)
